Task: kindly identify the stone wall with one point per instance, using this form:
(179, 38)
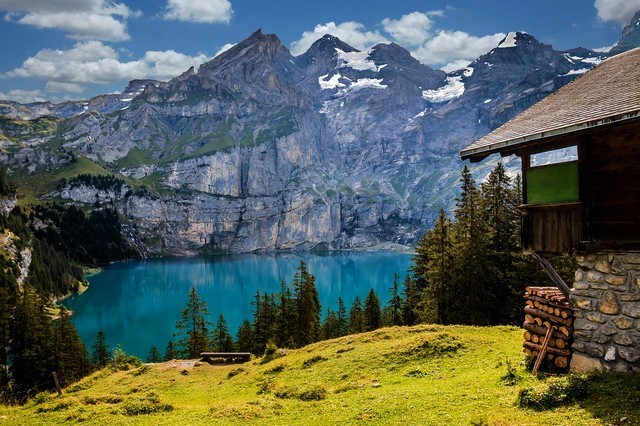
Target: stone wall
(606, 299)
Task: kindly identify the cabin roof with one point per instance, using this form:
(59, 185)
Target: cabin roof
(608, 93)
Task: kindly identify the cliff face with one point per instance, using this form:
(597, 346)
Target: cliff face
(260, 150)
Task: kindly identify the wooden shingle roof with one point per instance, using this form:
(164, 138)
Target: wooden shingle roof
(609, 92)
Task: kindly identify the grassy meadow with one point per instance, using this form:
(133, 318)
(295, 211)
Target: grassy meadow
(421, 375)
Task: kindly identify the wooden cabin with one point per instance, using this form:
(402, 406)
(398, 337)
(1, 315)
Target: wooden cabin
(580, 152)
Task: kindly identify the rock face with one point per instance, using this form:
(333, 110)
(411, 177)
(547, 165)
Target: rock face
(260, 150)
(630, 36)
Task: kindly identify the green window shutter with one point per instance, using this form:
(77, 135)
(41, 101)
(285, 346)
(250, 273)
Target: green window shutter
(554, 183)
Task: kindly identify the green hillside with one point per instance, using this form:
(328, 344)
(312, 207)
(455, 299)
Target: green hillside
(403, 375)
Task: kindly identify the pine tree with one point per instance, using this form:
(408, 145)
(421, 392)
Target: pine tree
(343, 318)
(330, 328)
(71, 357)
(372, 313)
(286, 317)
(264, 321)
(170, 352)
(469, 281)
(395, 302)
(31, 354)
(100, 351)
(221, 339)
(192, 327)
(154, 355)
(411, 299)
(356, 317)
(307, 305)
(434, 261)
(245, 337)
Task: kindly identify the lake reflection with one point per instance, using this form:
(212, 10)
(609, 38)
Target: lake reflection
(137, 303)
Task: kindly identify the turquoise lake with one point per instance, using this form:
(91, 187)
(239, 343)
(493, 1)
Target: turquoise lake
(137, 303)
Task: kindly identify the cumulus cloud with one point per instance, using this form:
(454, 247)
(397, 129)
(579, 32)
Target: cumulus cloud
(411, 29)
(80, 19)
(448, 47)
(23, 96)
(448, 50)
(94, 62)
(201, 11)
(620, 11)
(352, 33)
(224, 48)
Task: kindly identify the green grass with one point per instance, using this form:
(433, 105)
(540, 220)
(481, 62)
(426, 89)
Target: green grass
(44, 181)
(423, 375)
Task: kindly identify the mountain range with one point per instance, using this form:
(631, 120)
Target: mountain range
(260, 150)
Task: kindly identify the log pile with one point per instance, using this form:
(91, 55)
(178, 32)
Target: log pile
(547, 308)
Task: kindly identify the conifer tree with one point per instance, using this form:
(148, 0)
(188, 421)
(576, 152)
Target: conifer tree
(470, 282)
(395, 303)
(343, 318)
(411, 298)
(307, 305)
(434, 260)
(372, 312)
(221, 339)
(193, 327)
(245, 337)
(154, 355)
(31, 354)
(71, 357)
(100, 351)
(286, 317)
(330, 329)
(356, 317)
(170, 352)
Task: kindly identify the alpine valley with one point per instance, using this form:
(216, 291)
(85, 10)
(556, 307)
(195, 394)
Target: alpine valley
(259, 150)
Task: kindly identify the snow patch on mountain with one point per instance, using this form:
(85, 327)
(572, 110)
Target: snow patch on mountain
(366, 83)
(575, 72)
(453, 89)
(509, 41)
(332, 83)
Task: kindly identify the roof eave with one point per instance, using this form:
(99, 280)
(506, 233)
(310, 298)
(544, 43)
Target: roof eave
(509, 146)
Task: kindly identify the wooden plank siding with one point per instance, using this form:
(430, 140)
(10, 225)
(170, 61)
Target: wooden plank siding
(614, 186)
(552, 228)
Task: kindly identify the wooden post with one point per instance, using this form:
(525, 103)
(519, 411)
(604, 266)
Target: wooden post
(547, 337)
(57, 383)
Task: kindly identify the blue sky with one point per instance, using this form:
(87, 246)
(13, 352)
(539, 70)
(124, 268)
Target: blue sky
(75, 49)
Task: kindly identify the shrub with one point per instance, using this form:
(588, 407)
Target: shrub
(313, 393)
(315, 359)
(554, 392)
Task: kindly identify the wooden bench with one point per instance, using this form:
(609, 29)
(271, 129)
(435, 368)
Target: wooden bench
(226, 357)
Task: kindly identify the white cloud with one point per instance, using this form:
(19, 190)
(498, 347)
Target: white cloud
(455, 46)
(58, 87)
(620, 11)
(352, 33)
(23, 96)
(90, 19)
(224, 48)
(201, 11)
(458, 64)
(449, 50)
(94, 62)
(412, 29)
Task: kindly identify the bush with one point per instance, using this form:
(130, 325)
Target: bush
(554, 392)
(313, 393)
(315, 359)
(122, 361)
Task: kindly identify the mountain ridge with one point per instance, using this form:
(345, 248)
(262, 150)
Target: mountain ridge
(260, 150)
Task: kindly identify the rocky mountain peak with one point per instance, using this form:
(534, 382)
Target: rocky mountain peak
(323, 50)
(630, 36)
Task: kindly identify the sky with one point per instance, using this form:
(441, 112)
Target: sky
(75, 49)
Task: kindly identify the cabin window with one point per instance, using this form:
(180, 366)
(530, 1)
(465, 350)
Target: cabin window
(562, 155)
(553, 177)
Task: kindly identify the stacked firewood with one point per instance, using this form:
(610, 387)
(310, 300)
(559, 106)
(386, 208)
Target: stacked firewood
(548, 325)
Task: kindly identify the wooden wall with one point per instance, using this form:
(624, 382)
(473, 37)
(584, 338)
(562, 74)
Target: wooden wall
(611, 186)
